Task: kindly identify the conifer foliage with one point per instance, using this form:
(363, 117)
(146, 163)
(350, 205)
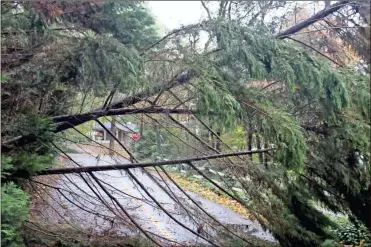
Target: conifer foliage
(314, 115)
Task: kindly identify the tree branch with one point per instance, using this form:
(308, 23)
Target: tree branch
(82, 169)
(130, 100)
(168, 35)
(314, 18)
(207, 10)
(314, 49)
(76, 119)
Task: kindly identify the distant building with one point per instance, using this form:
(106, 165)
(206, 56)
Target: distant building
(123, 132)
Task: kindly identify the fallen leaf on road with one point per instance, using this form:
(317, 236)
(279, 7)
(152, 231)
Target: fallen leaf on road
(210, 195)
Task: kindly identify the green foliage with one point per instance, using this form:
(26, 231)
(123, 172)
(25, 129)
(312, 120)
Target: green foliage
(108, 64)
(308, 92)
(330, 243)
(14, 211)
(6, 165)
(236, 242)
(4, 78)
(103, 54)
(33, 163)
(24, 164)
(287, 134)
(36, 126)
(157, 143)
(235, 138)
(352, 234)
(215, 100)
(128, 22)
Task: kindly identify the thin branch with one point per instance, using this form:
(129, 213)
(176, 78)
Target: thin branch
(165, 211)
(314, 49)
(207, 10)
(201, 208)
(168, 35)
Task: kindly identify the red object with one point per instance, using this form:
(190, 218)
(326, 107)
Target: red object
(135, 136)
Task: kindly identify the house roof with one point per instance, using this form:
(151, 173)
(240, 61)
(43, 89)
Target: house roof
(127, 127)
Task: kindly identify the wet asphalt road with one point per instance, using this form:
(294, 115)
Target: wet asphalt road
(141, 207)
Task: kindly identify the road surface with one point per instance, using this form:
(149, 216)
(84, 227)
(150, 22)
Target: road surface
(77, 207)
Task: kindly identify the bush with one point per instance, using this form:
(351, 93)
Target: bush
(24, 164)
(14, 211)
(353, 234)
(330, 243)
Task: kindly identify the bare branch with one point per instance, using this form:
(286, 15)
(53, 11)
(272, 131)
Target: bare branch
(207, 10)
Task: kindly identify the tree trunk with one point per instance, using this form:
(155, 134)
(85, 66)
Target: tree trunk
(218, 143)
(249, 143)
(266, 155)
(258, 146)
(249, 140)
(111, 139)
(158, 141)
(141, 125)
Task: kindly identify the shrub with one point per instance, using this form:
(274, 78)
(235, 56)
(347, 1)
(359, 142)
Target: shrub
(353, 234)
(330, 243)
(14, 211)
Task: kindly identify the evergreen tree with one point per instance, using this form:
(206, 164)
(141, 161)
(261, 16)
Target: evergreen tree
(54, 54)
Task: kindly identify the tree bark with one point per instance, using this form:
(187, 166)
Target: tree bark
(249, 140)
(111, 139)
(218, 142)
(259, 146)
(265, 155)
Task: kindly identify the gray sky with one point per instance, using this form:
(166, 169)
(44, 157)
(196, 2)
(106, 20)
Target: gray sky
(173, 14)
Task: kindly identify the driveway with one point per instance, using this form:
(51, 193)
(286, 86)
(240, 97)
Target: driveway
(76, 208)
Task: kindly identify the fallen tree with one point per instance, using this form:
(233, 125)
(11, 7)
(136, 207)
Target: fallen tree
(68, 170)
(316, 116)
